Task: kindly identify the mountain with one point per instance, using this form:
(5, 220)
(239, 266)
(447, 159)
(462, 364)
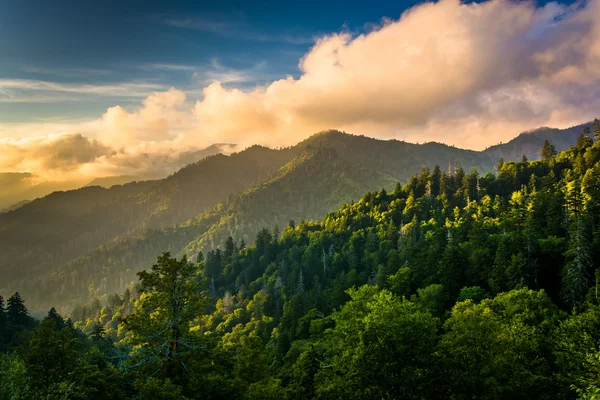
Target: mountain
(69, 224)
(449, 286)
(310, 185)
(15, 206)
(109, 181)
(398, 159)
(17, 187)
(103, 236)
(530, 143)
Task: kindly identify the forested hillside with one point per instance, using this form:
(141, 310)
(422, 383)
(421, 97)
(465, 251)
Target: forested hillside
(307, 187)
(98, 238)
(454, 285)
(70, 224)
(530, 143)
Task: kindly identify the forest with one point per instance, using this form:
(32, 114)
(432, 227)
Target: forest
(90, 243)
(454, 285)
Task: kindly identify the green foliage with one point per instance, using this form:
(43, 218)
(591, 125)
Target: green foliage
(454, 285)
(473, 293)
(376, 328)
(160, 325)
(499, 348)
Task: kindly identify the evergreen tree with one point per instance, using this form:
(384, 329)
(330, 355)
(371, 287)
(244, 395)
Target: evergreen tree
(229, 247)
(576, 271)
(59, 322)
(584, 141)
(436, 177)
(171, 298)
(17, 314)
(596, 126)
(548, 151)
(3, 326)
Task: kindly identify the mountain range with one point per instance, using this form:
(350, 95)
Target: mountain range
(70, 246)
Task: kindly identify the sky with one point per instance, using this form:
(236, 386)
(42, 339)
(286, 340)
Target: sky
(90, 89)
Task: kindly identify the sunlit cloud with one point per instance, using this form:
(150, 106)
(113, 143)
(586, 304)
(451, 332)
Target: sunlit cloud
(470, 75)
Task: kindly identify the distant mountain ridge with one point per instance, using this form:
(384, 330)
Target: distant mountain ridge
(97, 238)
(529, 143)
(27, 186)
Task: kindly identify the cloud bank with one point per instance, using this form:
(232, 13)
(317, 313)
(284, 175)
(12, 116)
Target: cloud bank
(470, 75)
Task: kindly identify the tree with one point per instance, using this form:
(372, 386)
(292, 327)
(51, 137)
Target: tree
(15, 384)
(229, 247)
(576, 271)
(97, 332)
(171, 298)
(55, 316)
(548, 151)
(381, 347)
(17, 314)
(573, 340)
(498, 349)
(52, 357)
(584, 141)
(596, 126)
(434, 185)
(473, 293)
(3, 326)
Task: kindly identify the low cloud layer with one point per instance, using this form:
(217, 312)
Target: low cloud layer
(470, 75)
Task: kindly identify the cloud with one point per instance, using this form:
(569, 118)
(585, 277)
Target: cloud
(63, 152)
(32, 90)
(234, 27)
(467, 67)
(169, 67)
(471, 75)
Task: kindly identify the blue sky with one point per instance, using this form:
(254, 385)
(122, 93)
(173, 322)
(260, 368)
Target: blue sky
(158, 44)
(85, 87)
(181, 44)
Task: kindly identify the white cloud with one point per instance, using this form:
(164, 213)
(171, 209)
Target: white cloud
(32, 90)
(471, 75)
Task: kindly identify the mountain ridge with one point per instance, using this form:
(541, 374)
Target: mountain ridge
(73, 224)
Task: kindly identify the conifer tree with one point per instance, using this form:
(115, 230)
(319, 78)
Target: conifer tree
(436, 176)
(576, 271)
(171, 298)
(3, 325)
(17, 314)
(548, 151)
(596, 126)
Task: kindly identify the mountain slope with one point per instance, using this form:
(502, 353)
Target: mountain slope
(59, 231)
(530, 143)
(38, 237)
(309, 186)
(398, 159)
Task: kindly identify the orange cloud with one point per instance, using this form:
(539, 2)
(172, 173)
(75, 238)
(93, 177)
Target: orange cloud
(471, 75)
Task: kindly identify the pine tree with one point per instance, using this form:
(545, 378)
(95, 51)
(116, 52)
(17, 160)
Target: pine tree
(434, 185)
(576, 271)
(596, 126)
(548, 151)
(300, 283)
(97, 332)
(159, 327)
(17, 314)
(584, 141)
(59, 322)
(3, 326)
(229, 247)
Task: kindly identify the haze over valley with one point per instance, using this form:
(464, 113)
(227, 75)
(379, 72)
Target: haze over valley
(310, 200)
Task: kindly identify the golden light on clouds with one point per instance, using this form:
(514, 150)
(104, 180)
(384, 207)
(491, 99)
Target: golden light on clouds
(470, 75)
